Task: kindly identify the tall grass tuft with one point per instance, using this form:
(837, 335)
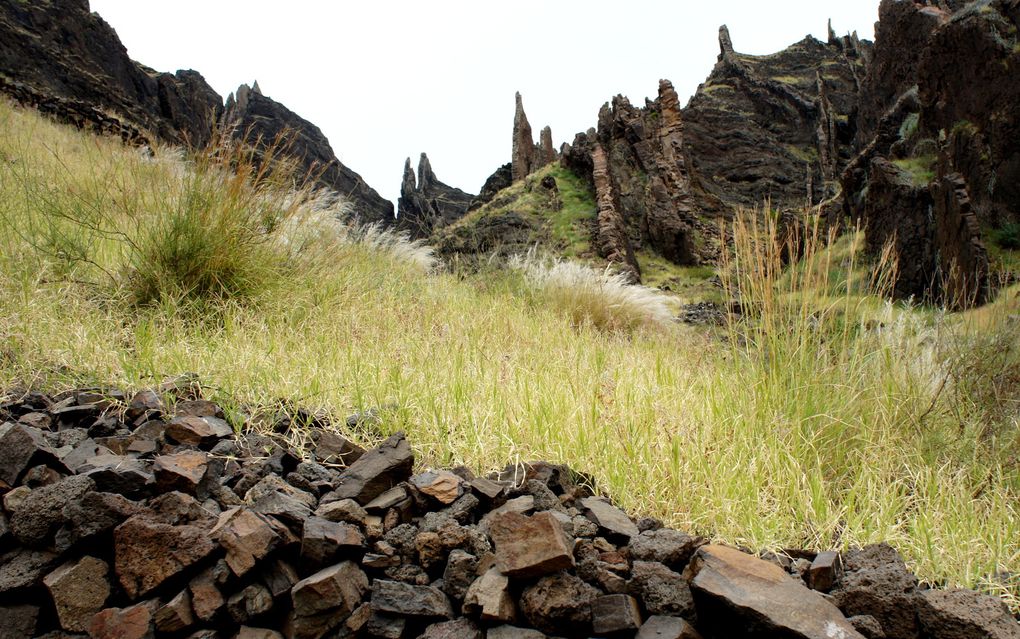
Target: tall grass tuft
(605, 300)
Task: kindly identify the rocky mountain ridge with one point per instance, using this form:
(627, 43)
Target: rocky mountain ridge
(58, 54)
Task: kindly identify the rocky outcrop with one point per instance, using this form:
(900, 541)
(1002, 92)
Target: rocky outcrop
(60, 49)
(941, 96)
(646, 197)
(273, 540)
(426, 204)
(776, 127)
(62, 59)
(266, 124)
(526, 156)
(499, 180)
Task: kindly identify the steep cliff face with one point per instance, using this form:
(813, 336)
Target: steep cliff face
(58, 57)
(426, 204)
(942, 100)
(262, 121)
(777, 126)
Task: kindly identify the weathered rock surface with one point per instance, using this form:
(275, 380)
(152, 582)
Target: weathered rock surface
(442, 553)
(426, 204)
(739, 593)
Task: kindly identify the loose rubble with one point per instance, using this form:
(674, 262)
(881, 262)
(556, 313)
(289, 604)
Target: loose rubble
(143, 516)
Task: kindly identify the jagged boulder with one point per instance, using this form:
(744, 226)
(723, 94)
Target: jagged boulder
(426, 204)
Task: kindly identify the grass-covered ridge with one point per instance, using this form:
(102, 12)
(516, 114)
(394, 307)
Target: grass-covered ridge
(805, 427)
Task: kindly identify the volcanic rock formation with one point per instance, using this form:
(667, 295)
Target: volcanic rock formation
(939, 104)
(527, 157)
(426, 204)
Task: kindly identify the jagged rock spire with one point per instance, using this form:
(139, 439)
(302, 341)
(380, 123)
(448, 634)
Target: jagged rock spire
(408, 185)
(832, 34)
(255, 88)
(547, 152)
(425, 175)
(725, 43)
(523, 143)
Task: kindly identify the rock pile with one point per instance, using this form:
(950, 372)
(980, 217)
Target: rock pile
(142, 516)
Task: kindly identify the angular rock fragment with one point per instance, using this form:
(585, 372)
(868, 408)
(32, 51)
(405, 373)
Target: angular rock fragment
(460, 573)
(325, 599)
(611, 520)
(41, 512)
(876, 582)
(18, 446)
(176, 614)
(611, 614)
(662, 591)
(253, 600)
(79, 589)
(513, 632)
(134, 622)
(279, 576)
(559, 604)
(824, 570)
(443, 486)
(182, 471)
(119, 474)
(383, 626)
(965, 614)
(19, 621)
(377, 471)
(672, 548)
(245, 632)
(458, 629)
(323, 540)
(489, 598)
(23, 568)
(200, 432)
(397, 598)
(247, 537)
(147, 552)
(530, 546)
(735, 592)
(206, 598)
(345, 510)
(145, 404)
(659, 627)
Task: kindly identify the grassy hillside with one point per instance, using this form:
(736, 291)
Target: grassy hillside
(804, 426)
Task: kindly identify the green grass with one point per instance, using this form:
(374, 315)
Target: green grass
(921, 169)
(808, 426)
(564, 219)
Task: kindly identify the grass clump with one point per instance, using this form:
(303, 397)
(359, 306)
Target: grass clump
(826, 418)
(605, 300)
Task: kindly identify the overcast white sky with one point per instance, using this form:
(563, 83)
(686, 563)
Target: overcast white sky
(388, 79)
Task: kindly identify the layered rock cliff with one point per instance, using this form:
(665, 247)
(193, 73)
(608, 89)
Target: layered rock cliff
(68, 62)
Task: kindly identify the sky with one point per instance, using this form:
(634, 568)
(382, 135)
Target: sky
(389, 79)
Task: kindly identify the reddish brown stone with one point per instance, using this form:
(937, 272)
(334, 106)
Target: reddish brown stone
(182, 471)
(733, 589)
(489, 598)
(530, 546)
(147, 552)
(176, 614)
(79, 590)
(325, 599)
(323, 540)
(246, 535)
(443, 486)
(197, 431)
(135, 622)
(206, 598)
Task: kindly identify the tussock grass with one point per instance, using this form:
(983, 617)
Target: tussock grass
(818, 422)
(605, 300)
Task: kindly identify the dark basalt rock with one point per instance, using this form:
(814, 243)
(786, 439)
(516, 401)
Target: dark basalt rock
(441, 553)
(426, 204)
(499, 180)
(262, 122)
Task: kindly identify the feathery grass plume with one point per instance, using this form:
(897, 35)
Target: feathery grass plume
(605, 300)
